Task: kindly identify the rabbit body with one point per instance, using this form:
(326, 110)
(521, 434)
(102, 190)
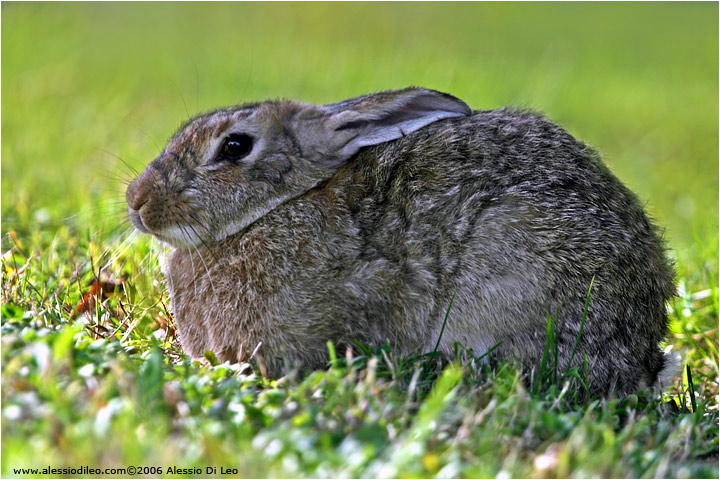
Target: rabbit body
(502, 209)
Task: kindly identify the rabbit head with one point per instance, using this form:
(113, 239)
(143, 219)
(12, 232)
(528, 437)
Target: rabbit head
(225, 169)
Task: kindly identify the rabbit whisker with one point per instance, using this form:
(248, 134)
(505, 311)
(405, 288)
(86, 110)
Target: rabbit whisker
(209, 276)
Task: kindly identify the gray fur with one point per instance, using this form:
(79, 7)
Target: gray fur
(359, 220)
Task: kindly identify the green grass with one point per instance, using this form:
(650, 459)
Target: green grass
(85, 85)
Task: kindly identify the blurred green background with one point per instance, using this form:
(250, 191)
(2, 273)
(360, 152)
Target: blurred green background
(83, 83)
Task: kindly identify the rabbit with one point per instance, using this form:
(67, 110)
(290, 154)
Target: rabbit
(358, 221)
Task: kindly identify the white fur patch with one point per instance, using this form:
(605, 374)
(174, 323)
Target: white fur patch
(179, 236)
(670, 372)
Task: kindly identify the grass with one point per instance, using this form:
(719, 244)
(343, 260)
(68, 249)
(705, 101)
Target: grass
(91, 372)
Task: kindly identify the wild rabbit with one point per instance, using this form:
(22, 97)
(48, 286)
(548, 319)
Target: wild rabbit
(295, 224)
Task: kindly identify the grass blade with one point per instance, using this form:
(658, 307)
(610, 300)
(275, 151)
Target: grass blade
(582, 324)
(442, 330)
(691, 388)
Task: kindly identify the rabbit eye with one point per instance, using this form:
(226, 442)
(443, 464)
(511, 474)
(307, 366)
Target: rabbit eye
(235, 147)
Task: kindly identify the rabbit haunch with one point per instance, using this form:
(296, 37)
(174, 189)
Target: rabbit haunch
(358, 221)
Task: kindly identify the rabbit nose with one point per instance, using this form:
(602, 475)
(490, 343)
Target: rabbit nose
(139, 190)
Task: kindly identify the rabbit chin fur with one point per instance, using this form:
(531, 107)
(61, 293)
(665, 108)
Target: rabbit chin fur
(359, 221)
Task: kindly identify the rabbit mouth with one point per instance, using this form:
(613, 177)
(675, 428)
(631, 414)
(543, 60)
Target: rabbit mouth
(137, 221)
(175, 235)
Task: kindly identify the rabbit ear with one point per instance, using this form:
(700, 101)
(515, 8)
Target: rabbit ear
(381, 117)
